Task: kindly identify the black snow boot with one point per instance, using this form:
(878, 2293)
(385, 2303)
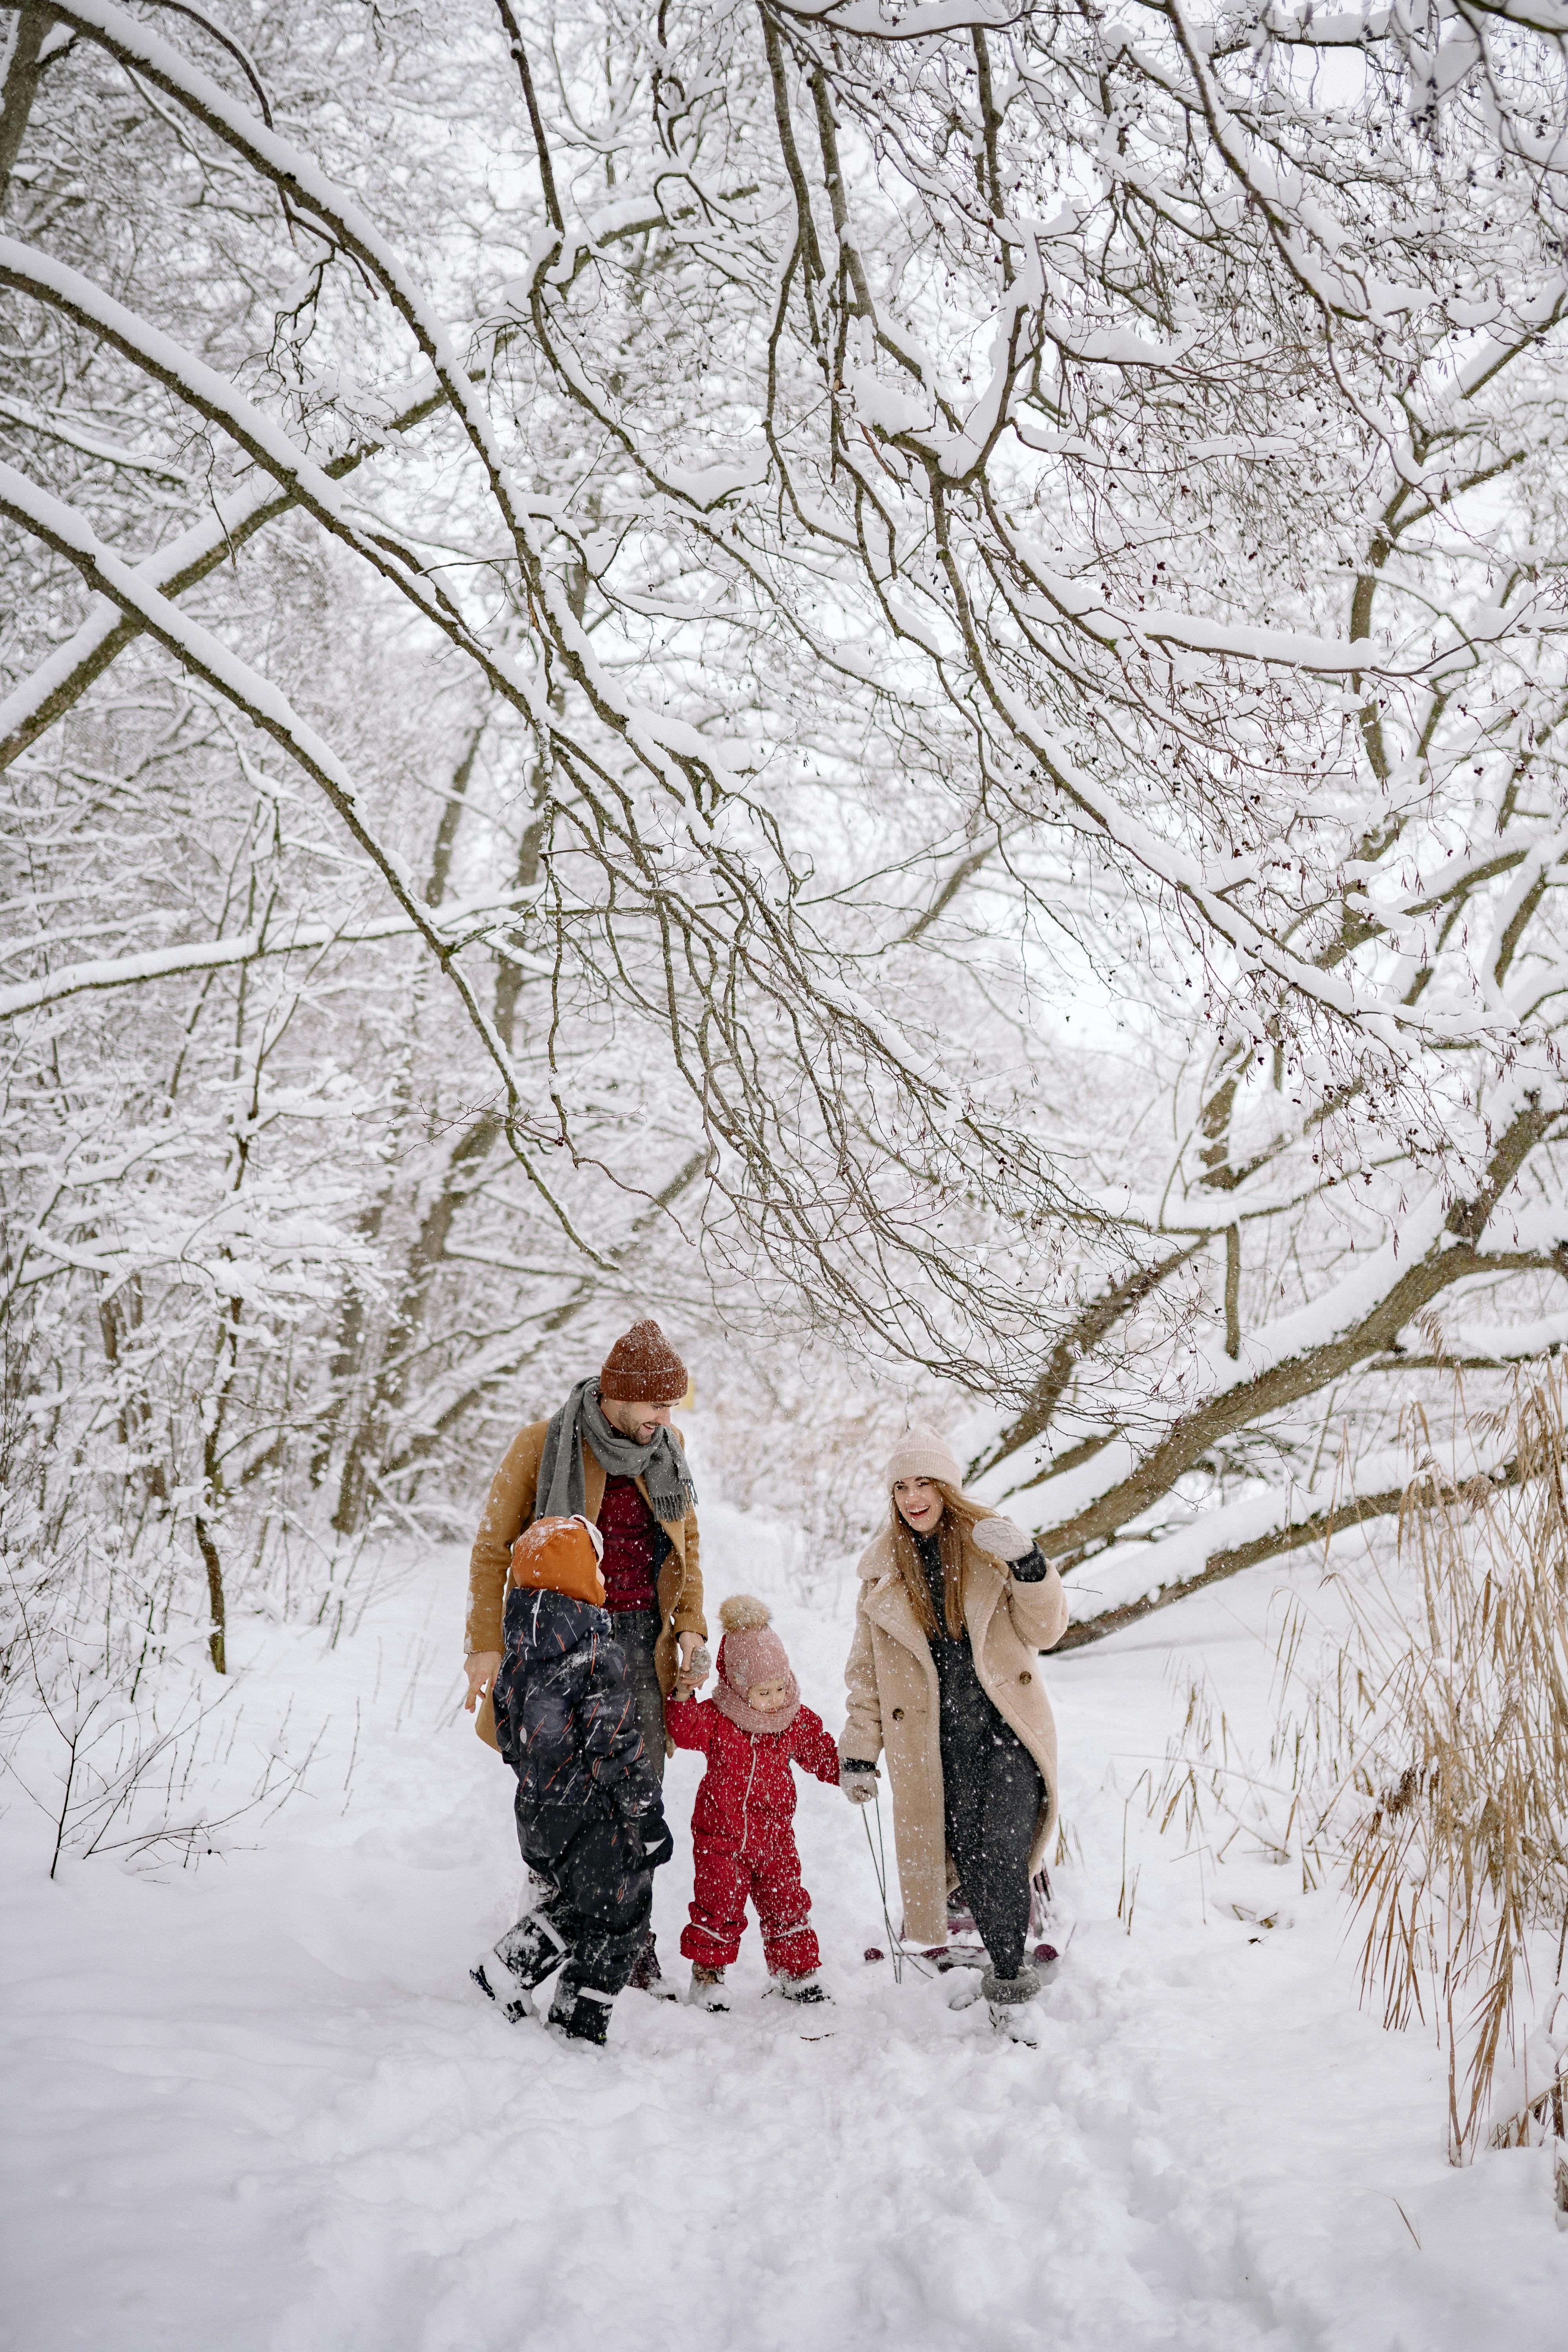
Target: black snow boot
(523, 1958)
(538, 1943)
(579, 2013)
(1010, 2001)
(648, 1977)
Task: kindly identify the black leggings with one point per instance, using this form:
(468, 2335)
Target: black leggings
(992, 1795)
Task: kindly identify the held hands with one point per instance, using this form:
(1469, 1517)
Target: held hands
(481, 1669)
(1002, 1540)
(693, 1664)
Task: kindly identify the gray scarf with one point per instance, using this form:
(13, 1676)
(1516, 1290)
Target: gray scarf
(661, 1464)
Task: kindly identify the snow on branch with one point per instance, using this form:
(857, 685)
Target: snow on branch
(246, 947)
(979, 594)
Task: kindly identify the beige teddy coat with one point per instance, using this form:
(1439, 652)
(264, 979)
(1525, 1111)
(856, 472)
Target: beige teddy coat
(893, 1705)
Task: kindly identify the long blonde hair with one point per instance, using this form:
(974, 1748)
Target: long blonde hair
(959, 1516)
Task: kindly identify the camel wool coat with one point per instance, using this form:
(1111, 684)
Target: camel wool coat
(510, 1507)
(893, 1701)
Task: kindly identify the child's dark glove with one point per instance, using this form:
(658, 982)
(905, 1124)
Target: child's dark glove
(657, 1844)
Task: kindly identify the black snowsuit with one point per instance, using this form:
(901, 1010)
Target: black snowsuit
(589, 1813)
(992, 1788)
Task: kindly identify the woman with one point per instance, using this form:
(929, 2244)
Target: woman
(954, 1604)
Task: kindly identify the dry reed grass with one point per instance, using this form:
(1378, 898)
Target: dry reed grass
(1452, 1829)
(1424, 1763)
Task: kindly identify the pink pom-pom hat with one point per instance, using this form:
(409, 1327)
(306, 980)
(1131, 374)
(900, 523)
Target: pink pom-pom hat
(750, 1651)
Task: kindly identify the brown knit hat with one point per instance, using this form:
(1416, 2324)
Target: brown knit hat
(642, 1368)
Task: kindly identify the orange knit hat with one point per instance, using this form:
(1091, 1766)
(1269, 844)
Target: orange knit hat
(642, 1368)
(560, 1556)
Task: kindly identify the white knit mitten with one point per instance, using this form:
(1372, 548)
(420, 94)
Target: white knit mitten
(860, 1788)
(1002, 1540)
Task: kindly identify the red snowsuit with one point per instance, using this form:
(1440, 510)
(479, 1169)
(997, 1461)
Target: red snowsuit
(742, 1835)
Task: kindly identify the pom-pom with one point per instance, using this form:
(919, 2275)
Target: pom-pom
(742, 1614)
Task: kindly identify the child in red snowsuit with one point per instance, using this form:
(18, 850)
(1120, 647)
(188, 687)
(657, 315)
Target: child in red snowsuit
(743, 1825)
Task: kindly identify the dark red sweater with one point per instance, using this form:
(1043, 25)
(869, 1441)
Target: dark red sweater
(631, 1547)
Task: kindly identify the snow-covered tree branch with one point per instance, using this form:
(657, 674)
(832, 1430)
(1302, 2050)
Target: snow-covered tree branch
(809, 630)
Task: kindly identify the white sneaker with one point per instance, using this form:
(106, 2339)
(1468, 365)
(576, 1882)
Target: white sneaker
(808, 1991)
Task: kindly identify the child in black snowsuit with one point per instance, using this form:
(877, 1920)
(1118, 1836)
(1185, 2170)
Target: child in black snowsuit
(590, 1818)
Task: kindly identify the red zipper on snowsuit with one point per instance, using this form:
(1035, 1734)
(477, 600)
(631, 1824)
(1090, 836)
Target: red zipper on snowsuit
(747, 1793)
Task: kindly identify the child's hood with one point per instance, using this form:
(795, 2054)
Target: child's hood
(560, 1555)
(544, 1626)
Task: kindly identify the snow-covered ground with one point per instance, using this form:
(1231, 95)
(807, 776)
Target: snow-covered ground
(256, 2105)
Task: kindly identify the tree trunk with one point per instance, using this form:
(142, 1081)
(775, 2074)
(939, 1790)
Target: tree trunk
(209, 1551)
(22, 71)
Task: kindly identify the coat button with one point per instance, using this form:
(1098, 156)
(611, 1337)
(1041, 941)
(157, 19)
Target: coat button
(1026, 1676)
(898, 1715)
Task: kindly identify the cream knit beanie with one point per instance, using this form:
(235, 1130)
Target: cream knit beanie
(922, 1454)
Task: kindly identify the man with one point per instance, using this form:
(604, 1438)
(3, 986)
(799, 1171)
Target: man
(612, 1454)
